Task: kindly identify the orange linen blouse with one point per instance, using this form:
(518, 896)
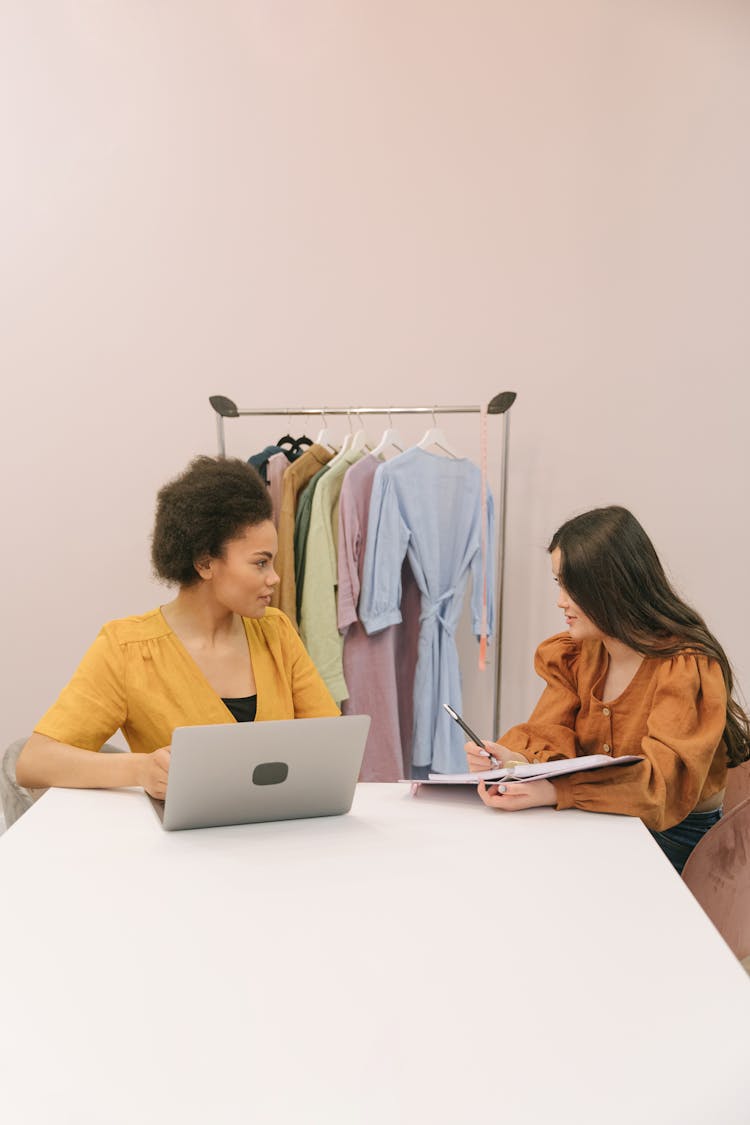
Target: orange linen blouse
(138, 677)
(673, 712)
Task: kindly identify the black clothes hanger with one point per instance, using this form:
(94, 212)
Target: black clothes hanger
(287, 439)
(295, 445)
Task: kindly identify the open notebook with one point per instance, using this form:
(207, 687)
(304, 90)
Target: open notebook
(532, 771)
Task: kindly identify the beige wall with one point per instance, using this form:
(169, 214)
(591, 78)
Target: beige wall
(337, 202)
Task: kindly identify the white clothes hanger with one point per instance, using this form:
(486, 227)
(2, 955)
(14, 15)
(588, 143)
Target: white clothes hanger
(390, 438)
(435, 436)
(345, 445)
(325, 437)
(359, 439)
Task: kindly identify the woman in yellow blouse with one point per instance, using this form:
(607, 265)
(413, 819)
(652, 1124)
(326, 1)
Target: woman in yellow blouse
(217, 653)
(637, 672)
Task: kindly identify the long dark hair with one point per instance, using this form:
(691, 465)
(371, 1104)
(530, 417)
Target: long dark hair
(609, 567)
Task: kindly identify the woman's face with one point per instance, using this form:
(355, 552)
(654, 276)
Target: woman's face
(580, 627)
(242, 581)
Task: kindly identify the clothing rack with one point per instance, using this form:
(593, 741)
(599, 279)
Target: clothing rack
(500, 404)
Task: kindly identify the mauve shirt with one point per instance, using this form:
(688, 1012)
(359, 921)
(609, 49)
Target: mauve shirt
(378, 669)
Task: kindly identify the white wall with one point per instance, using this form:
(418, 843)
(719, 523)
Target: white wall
(336, 202)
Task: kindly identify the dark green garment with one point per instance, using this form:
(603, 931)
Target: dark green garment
(301, 528)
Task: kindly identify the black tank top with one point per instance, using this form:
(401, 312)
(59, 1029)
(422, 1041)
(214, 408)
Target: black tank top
(244, 709)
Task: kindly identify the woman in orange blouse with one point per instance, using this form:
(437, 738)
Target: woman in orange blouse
(637, 672)
(217, 653)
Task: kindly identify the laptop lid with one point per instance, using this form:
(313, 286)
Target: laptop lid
(241, 773)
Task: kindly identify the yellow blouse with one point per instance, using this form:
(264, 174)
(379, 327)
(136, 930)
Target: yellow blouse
(673, 712)
(138, 677)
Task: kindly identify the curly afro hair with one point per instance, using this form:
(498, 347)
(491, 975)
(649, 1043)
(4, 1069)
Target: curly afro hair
(213, 501)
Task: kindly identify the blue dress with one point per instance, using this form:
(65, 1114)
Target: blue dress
(428, 507)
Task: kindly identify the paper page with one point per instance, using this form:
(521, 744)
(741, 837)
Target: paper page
(535, 771)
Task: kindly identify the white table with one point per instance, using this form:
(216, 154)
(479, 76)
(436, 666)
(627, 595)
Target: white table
(420, 960)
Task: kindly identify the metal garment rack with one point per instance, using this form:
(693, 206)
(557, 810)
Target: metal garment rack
(500, 404)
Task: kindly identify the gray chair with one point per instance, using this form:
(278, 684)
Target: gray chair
(14, 798)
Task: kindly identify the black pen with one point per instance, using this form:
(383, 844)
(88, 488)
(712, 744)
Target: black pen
(474, 737)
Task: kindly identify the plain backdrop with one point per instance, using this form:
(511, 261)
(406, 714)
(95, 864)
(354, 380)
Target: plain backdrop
(370, 203)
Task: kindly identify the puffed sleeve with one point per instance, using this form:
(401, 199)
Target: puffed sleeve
(93, 705)
(550, 733)
(387, 541)
(350, 543)
(683, 741)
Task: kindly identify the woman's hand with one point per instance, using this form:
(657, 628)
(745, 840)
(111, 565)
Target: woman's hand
(154, 772)
(479, 762)
(514, 795)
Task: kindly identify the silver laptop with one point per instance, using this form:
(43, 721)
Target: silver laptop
(240, 773)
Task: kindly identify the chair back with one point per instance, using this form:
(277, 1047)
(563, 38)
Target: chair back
(15, 800)
(738, 786)
(718, 874)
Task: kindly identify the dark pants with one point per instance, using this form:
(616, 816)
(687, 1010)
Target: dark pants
(678, 842)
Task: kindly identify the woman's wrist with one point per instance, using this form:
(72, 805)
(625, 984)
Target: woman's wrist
(137, 770)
